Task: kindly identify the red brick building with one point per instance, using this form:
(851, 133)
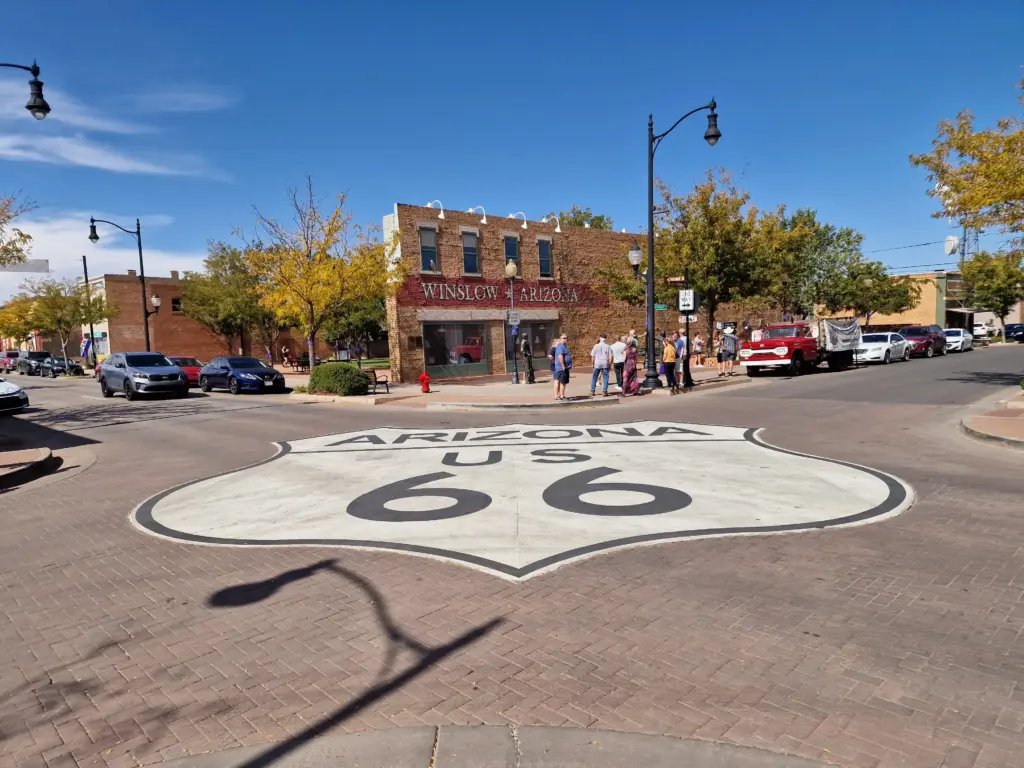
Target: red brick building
(449, 316)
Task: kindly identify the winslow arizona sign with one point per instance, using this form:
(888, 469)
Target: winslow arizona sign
(518, 500)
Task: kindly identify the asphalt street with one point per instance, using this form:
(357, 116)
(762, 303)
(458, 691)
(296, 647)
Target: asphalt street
(893, 642)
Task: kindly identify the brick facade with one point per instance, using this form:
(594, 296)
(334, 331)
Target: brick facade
(447, 295)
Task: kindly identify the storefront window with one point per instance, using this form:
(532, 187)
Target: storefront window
(539, 334)
(455, 349)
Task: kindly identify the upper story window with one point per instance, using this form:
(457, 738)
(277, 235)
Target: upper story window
(428, 250)
(175, 305)
(544, 249)
(470, 253)
(512, 250)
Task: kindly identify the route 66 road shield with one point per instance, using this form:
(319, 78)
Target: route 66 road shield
(518, 500)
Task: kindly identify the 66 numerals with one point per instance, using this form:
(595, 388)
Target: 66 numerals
(565, 494)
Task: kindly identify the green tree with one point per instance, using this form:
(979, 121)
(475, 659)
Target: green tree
(866, 288)
(63, 307)
(16, 318)
(14, 243)
(223, 298)
(320, 262)
(979, 174)
(996, 280)
(356, 324)
(581, 217)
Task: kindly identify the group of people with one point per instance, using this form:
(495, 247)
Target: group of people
(621, 357)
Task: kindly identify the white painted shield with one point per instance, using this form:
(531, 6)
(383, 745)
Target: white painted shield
(518, 500)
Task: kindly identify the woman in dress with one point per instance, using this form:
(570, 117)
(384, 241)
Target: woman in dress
(630, 382)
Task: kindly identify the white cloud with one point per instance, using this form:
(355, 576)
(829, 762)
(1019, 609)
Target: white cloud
(80, 151)
(184, 99)
(65, 109)
(63, 238)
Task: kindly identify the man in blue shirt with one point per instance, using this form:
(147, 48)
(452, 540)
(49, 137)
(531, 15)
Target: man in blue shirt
(563, 364)
(681, 343)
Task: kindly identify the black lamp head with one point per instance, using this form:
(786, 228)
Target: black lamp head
(712, 134)
(92, 231)
(36, 103)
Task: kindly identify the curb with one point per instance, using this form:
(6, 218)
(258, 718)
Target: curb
(582, 403)
(494, 746)
(44, 463)
(978, 434)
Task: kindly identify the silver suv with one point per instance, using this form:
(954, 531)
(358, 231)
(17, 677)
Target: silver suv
(141, 373)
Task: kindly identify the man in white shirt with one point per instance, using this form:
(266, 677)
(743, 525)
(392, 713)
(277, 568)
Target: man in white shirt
(619, 359)
(602, 356)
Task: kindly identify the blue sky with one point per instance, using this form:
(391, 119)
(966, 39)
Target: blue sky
(187, 114)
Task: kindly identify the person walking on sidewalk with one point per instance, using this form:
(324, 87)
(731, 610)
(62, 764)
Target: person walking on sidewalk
(619, 360)
(668, 359)
(602, 357)
(563, 364)
(682, 349)
(630, 381)
(730, 346)
(698, 350)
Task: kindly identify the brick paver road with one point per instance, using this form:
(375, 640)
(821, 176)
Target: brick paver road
(892, 644)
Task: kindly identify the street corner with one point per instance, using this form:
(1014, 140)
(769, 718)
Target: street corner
(519, 500)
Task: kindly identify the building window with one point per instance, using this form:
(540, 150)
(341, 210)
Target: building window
(544, 248)
(176, 305)
(512, 250)
(428, 250)
(455, 349)
(540, 336)
(470, 254)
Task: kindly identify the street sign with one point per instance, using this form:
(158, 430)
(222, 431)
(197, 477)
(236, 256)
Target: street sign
(512, 317)
(691, 318)
(688, 300)
(660, 307)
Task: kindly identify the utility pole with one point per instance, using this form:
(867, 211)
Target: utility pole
(88, 301)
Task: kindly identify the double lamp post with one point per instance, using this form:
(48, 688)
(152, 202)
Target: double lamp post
(711, 136)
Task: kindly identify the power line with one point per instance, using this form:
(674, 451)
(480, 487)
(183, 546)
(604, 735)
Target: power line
(901, 247)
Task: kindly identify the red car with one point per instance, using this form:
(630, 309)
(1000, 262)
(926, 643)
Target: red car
(190, 367)
(927, 340)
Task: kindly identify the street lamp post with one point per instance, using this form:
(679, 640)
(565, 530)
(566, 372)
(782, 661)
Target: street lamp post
(711, 136)
(36, 103)
(88, 301)
(137, 234)
(511, 270)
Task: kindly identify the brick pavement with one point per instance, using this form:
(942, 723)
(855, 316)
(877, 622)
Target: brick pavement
(894, 644)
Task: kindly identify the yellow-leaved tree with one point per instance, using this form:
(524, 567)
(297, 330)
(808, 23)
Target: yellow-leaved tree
(14, 243)
(319, 263)
(979, 174)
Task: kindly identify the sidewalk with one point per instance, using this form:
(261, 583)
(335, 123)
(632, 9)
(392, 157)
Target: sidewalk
(1002, 425)
(500, 392)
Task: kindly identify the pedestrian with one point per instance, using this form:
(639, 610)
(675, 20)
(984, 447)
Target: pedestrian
(631, 338)
(730, 346)
(563, 364)
(619, 359)
(698, 350)
(681, 344)
(630, 382)
(717, 351)
(284, 354)
(602, 355)
(668, 360)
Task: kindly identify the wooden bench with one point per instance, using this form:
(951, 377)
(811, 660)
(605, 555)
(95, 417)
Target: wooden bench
(297, 365)
(378, 380)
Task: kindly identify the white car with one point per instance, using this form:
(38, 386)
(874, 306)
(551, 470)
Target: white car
(980, 332)
(12, 397)
(958, 340)
(882, 348)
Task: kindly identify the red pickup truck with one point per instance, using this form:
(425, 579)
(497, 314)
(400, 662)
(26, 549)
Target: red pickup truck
(801, 347)
(471, 352)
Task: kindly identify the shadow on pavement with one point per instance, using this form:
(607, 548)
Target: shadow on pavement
(23, 432)
(991, 378)
(247, 594)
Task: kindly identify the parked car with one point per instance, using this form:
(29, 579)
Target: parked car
(981, 332)
(12, 397)
(190, 365)
(801, 347)
(1015, 332)
(54, 366)
(30, 362)
(882, 348)
(240, 374)
(141, 373)
(925, 340)
(9, 361)
(958, 340)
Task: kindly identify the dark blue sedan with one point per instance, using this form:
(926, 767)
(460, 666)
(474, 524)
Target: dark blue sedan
(240, 374)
